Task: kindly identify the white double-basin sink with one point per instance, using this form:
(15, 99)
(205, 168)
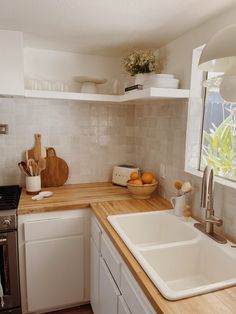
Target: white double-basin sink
(180, 260)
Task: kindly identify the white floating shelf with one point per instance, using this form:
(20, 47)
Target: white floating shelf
(153, 92)
(148, 93)
(71, 96)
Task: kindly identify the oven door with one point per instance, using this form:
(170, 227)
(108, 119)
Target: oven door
(9, 270)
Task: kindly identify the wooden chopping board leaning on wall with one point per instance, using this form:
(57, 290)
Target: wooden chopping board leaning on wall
(56, 172)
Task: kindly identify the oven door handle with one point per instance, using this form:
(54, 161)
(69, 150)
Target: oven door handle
(4, 244)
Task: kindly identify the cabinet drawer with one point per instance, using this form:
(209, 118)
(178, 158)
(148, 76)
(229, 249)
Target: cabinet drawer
(133, 295)
(96, 234)
(111, 257)
(53, 228)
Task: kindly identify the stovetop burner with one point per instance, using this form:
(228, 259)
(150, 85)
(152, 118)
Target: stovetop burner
(9, 197)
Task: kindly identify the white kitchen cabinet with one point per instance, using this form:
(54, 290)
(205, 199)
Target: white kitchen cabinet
(11, 63)
(133, 295)
(54, 272)
(122, 306)
(108, 291)
(111, 257)
(54, 249)
(118, 292)
(94, 276)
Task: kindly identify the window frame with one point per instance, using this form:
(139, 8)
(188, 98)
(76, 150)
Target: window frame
(195, 118)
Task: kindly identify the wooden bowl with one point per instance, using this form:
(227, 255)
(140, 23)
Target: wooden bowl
(142, 192)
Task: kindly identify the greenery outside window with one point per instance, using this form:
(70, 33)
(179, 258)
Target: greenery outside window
(219, 131)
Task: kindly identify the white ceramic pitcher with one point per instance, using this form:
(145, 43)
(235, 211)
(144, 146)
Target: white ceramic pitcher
(178, 203)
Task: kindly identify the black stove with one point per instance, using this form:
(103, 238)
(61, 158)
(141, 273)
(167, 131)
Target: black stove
(10, 302)
(9, 200)
(9, 197)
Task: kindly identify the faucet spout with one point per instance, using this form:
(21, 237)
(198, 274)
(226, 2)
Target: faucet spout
(207, 198)
(207, 189)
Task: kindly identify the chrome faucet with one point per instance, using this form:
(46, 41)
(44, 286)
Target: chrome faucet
(207, 200)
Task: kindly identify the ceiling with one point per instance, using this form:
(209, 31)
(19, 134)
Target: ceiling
(105, 27)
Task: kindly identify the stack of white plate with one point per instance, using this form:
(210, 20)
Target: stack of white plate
(161, 81)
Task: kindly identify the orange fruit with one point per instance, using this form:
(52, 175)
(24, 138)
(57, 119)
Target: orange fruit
(147, 177)
(131, 181)
(137, 182)
(154, 181)
(134, 175)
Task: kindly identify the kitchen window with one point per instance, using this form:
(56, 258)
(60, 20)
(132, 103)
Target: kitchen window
(218, 145)
(211, 127)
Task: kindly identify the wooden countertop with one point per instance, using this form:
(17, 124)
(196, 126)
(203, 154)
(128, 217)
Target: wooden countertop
(106, 199)
(72, 196)
(222, 301)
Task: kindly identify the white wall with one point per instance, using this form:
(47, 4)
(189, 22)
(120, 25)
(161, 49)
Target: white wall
(63, 66)
(177, 55)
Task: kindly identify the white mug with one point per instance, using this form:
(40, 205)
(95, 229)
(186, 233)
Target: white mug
(178, 203)
(33, 184)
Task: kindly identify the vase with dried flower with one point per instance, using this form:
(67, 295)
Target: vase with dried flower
(179, 202)
(140, 63)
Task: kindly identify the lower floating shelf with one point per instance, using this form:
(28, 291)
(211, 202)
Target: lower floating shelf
(153, 92)
(71, 96)
(148, 93)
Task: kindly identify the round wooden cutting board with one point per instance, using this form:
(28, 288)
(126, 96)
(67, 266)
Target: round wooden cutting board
(56, 172)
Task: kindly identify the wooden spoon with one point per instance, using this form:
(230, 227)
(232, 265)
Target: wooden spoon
(23, 167)
(33, 166)
(41, 165)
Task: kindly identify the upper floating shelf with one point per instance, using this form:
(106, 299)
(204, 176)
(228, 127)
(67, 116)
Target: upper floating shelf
(148, 93)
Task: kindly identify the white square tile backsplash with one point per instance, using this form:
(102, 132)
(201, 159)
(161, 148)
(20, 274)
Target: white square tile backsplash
(160, 133)
(92, 138)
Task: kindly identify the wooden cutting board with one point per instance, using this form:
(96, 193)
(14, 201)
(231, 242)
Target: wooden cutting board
(38, 150)
(56, 172)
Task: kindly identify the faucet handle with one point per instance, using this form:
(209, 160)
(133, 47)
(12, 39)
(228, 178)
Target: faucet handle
(215, 220)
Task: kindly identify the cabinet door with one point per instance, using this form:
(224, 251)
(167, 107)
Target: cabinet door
(108, 291)
(94, 277)
(122, 307)
(54, 272)
(133, 295)
(11, 63)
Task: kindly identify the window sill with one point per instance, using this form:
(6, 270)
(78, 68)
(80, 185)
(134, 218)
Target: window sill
(217, 179)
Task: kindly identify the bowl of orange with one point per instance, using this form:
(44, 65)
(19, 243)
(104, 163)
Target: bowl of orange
(141, 187)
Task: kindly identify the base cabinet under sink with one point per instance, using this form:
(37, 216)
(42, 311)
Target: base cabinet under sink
(113, 289)
(109, 293)
(94, 276)
(122, 306)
